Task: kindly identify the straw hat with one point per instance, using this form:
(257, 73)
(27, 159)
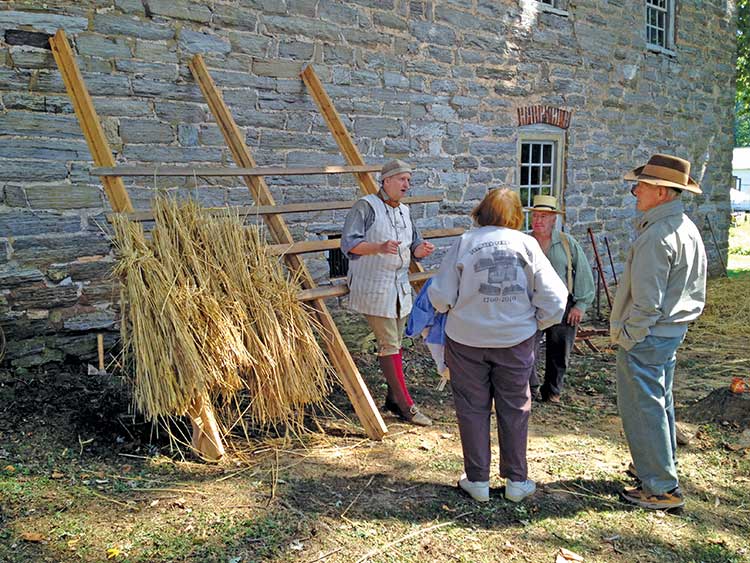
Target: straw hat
(545, 203)
(665, 170)
(393, 167)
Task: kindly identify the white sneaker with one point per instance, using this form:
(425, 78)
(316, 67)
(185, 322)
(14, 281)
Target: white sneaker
(516, 491)
(478, 490)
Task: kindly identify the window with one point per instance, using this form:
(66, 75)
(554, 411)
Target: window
(540, 149)
(558, 7)
(660, 24)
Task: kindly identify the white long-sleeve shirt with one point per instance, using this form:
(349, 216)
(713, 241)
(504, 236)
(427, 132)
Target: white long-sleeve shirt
(498, 289)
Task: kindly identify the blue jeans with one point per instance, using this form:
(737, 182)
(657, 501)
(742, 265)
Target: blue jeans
(644, 397)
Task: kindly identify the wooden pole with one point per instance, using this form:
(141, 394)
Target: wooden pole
(88, 120)
(346, 368)
(120, 202)
(345, 142)
(599, 267)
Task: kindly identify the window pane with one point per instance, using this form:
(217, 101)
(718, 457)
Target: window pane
(546, 190)
(534, 176)
(525, 152)
(546, 176)
(524, 176)
(535, 152)
(525, 197)
(547, 154)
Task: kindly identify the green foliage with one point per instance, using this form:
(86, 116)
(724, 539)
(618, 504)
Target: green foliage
(742, 109)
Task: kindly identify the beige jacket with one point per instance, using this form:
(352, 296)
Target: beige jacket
(663, 286)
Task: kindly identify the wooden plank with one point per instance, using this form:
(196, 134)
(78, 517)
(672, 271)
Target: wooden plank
(307, 246)
(217, 171)
(251, 210)
(342, 137)
(350, 377)
(88, 120)
(342, 289)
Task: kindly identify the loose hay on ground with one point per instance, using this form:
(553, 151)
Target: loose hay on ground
(207, 313)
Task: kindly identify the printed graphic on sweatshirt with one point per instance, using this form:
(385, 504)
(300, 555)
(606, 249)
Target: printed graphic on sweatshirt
(502, 275)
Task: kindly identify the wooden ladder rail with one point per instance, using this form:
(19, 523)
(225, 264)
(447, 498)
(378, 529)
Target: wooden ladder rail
(345, 142)
(351, 379)
(207, 439)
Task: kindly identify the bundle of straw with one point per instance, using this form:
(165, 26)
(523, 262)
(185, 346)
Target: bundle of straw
(727, 313)
(206, 313)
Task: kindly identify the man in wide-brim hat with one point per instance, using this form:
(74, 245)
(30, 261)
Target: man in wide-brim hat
(662, 289)
(571, 265)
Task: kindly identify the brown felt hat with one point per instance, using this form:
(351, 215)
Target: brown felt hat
(665, 170)
(393, 167)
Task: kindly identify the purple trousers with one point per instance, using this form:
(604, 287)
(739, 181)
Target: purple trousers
(479, 376)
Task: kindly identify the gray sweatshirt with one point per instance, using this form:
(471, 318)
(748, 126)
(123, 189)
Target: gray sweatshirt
(498, 289)
(663, 286)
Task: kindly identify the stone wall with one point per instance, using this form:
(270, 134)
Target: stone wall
(437, 82)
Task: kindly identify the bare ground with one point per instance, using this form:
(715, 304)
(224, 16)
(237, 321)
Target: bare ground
(81, 482)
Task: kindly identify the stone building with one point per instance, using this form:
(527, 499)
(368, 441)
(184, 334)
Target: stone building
(557, 95)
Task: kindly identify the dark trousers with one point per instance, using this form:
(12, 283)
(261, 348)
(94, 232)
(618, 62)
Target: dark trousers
(479, 376)
(559, 345)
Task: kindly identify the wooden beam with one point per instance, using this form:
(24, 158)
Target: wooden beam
(342, 289)
(160, 171)
(308, 246)
(274, 209)
(207, 439)
(342, 137)
(350, 377)
(336, 126)
(88, 120)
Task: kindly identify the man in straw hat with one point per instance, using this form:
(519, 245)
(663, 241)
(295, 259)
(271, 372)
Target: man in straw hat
(570, 263)
(380, 239)
(662, 288)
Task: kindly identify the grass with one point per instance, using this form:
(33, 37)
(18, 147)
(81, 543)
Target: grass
(738, 259)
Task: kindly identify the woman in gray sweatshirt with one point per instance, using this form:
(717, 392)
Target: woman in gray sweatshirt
(498, 289)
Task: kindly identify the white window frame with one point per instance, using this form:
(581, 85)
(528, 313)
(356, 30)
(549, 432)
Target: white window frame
(546, 135)
(668, 11)
(557, 7)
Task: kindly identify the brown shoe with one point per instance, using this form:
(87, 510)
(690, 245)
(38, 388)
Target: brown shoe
(631, 471)
(663, 501)
(554, 399)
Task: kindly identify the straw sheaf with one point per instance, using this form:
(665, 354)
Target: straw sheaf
(208, 314)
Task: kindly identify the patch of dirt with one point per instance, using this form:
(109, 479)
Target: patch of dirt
(720, 406)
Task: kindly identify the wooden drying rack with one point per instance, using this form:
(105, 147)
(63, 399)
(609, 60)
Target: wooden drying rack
(207, 439)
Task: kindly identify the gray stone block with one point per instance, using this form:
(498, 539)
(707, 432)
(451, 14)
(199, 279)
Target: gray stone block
(131, 7)
(56, 196)
(192, 10)
(30, 57)
(140, 69)
(297, 50)
(11, 275)
(25, 148)
(432, 33)
(187, 135)
(197, 42)
(336, 12)
(146, 131)
(95, 45)
(33, 170)
(251, 44)
(153, 51)
(115, 24)
(304, 27)
(389, 19)
(39, 296)
(168, 154)
(41, 21)
(16, 222)
(377, 127)
(277, 68)
(91, 319)
(179, 112)
(167, 90)
(234, 17)
(25, 123)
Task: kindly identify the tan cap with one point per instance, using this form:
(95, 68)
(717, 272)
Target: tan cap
(393, 167)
